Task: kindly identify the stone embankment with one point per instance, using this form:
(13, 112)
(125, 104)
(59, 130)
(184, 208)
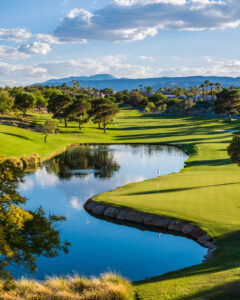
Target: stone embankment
(142, 218)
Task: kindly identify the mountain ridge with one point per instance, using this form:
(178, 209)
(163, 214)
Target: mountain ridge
(101, 81)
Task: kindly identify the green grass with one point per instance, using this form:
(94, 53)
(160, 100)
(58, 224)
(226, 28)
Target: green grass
(205, 193)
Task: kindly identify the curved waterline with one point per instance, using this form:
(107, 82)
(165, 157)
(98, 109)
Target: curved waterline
(60, 186)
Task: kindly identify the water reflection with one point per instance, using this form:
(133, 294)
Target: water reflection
(63, 184)
(83, 161)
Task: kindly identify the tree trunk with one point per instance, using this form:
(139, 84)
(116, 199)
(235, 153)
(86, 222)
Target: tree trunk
(79, 125)
(99, 125)
(229, 117)
(65, 120)
(45, 138)
(104, 127)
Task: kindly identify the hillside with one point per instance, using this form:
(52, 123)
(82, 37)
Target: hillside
(102, 81)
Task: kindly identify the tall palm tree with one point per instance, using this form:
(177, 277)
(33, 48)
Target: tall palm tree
(212, 85)
(202, 87)
(206, 83)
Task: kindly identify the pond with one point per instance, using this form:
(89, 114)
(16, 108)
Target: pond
(64, 183)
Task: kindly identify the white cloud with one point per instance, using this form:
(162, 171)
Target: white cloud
(76, 203)
(51, 39)
(24, 50)
(11, 52)
(35, 48)
(116, 65)
(27, 185)
(147, 58)
(45, 179)
(130, 20)
(14, 34)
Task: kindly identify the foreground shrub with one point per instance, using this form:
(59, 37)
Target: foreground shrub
(108, 287)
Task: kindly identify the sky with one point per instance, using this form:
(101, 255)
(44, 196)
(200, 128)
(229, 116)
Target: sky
(41, 40)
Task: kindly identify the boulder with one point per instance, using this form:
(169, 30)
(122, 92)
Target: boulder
(188, 229)
(99, 209)
(175, 226)
(111, 212)
(122, 215)
(90, 205)
(162, 222)
(197, 233)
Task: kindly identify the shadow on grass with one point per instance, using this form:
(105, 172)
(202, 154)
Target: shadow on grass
(16, 135)
(182, 189)
(227, 291)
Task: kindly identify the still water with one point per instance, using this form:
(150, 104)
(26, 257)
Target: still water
(63, 184)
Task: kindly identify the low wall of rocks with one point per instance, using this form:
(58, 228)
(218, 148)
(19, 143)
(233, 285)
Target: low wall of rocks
(142, 218)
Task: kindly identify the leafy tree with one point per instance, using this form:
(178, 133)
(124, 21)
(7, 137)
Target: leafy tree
(227, 102)
(157, 98)
(49, 127)
(78, 110)
(234, 150)
(25, 101)
(162, 108)
(104, 109)
(41, 101)
(136, 99)
(24, 234)
(58, 105)
(151, 107)
(6, 102)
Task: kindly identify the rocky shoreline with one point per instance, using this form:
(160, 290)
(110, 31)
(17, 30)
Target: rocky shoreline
(147, 219)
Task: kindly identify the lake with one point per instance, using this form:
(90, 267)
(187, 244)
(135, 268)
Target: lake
(63, 184)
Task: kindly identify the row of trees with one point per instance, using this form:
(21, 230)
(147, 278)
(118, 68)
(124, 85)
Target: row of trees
(81, 108)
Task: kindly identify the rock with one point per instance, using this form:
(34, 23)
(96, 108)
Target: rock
(162, 222)
(122, 215)
(99, 209)
(175, 226)
(197, 233)
(111, 212)
(205, 239)
(188, 229)
(90, 205)
(139, 217)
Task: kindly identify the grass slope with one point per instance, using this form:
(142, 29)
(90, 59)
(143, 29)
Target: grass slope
(205, 193)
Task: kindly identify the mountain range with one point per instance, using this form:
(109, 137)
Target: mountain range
(102, 81)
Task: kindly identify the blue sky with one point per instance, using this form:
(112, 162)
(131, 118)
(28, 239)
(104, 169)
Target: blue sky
(46, 39)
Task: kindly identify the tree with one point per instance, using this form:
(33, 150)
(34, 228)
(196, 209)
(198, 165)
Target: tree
(136, 98)
(162, 108)
(151, 107)
(40, 101)
(227, 102)
(49, 127)
(157, 98)
(25, 101)
(6, 102)
(104, 109)
(211, 84)
(78, 110)
(58, 105)
(24, 234)
(234, 150)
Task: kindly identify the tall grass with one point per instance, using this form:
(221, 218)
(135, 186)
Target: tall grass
(107, 287)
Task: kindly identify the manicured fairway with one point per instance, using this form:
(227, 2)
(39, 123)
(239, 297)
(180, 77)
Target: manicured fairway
(206, 192)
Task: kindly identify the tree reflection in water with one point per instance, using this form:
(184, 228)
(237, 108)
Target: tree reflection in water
(24, 234)
(84, 160)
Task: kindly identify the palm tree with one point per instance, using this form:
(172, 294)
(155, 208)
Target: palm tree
(206, 83)
(212, 85)
(202, 86)
(218, 86)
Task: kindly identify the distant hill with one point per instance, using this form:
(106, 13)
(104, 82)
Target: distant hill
(102, 81)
